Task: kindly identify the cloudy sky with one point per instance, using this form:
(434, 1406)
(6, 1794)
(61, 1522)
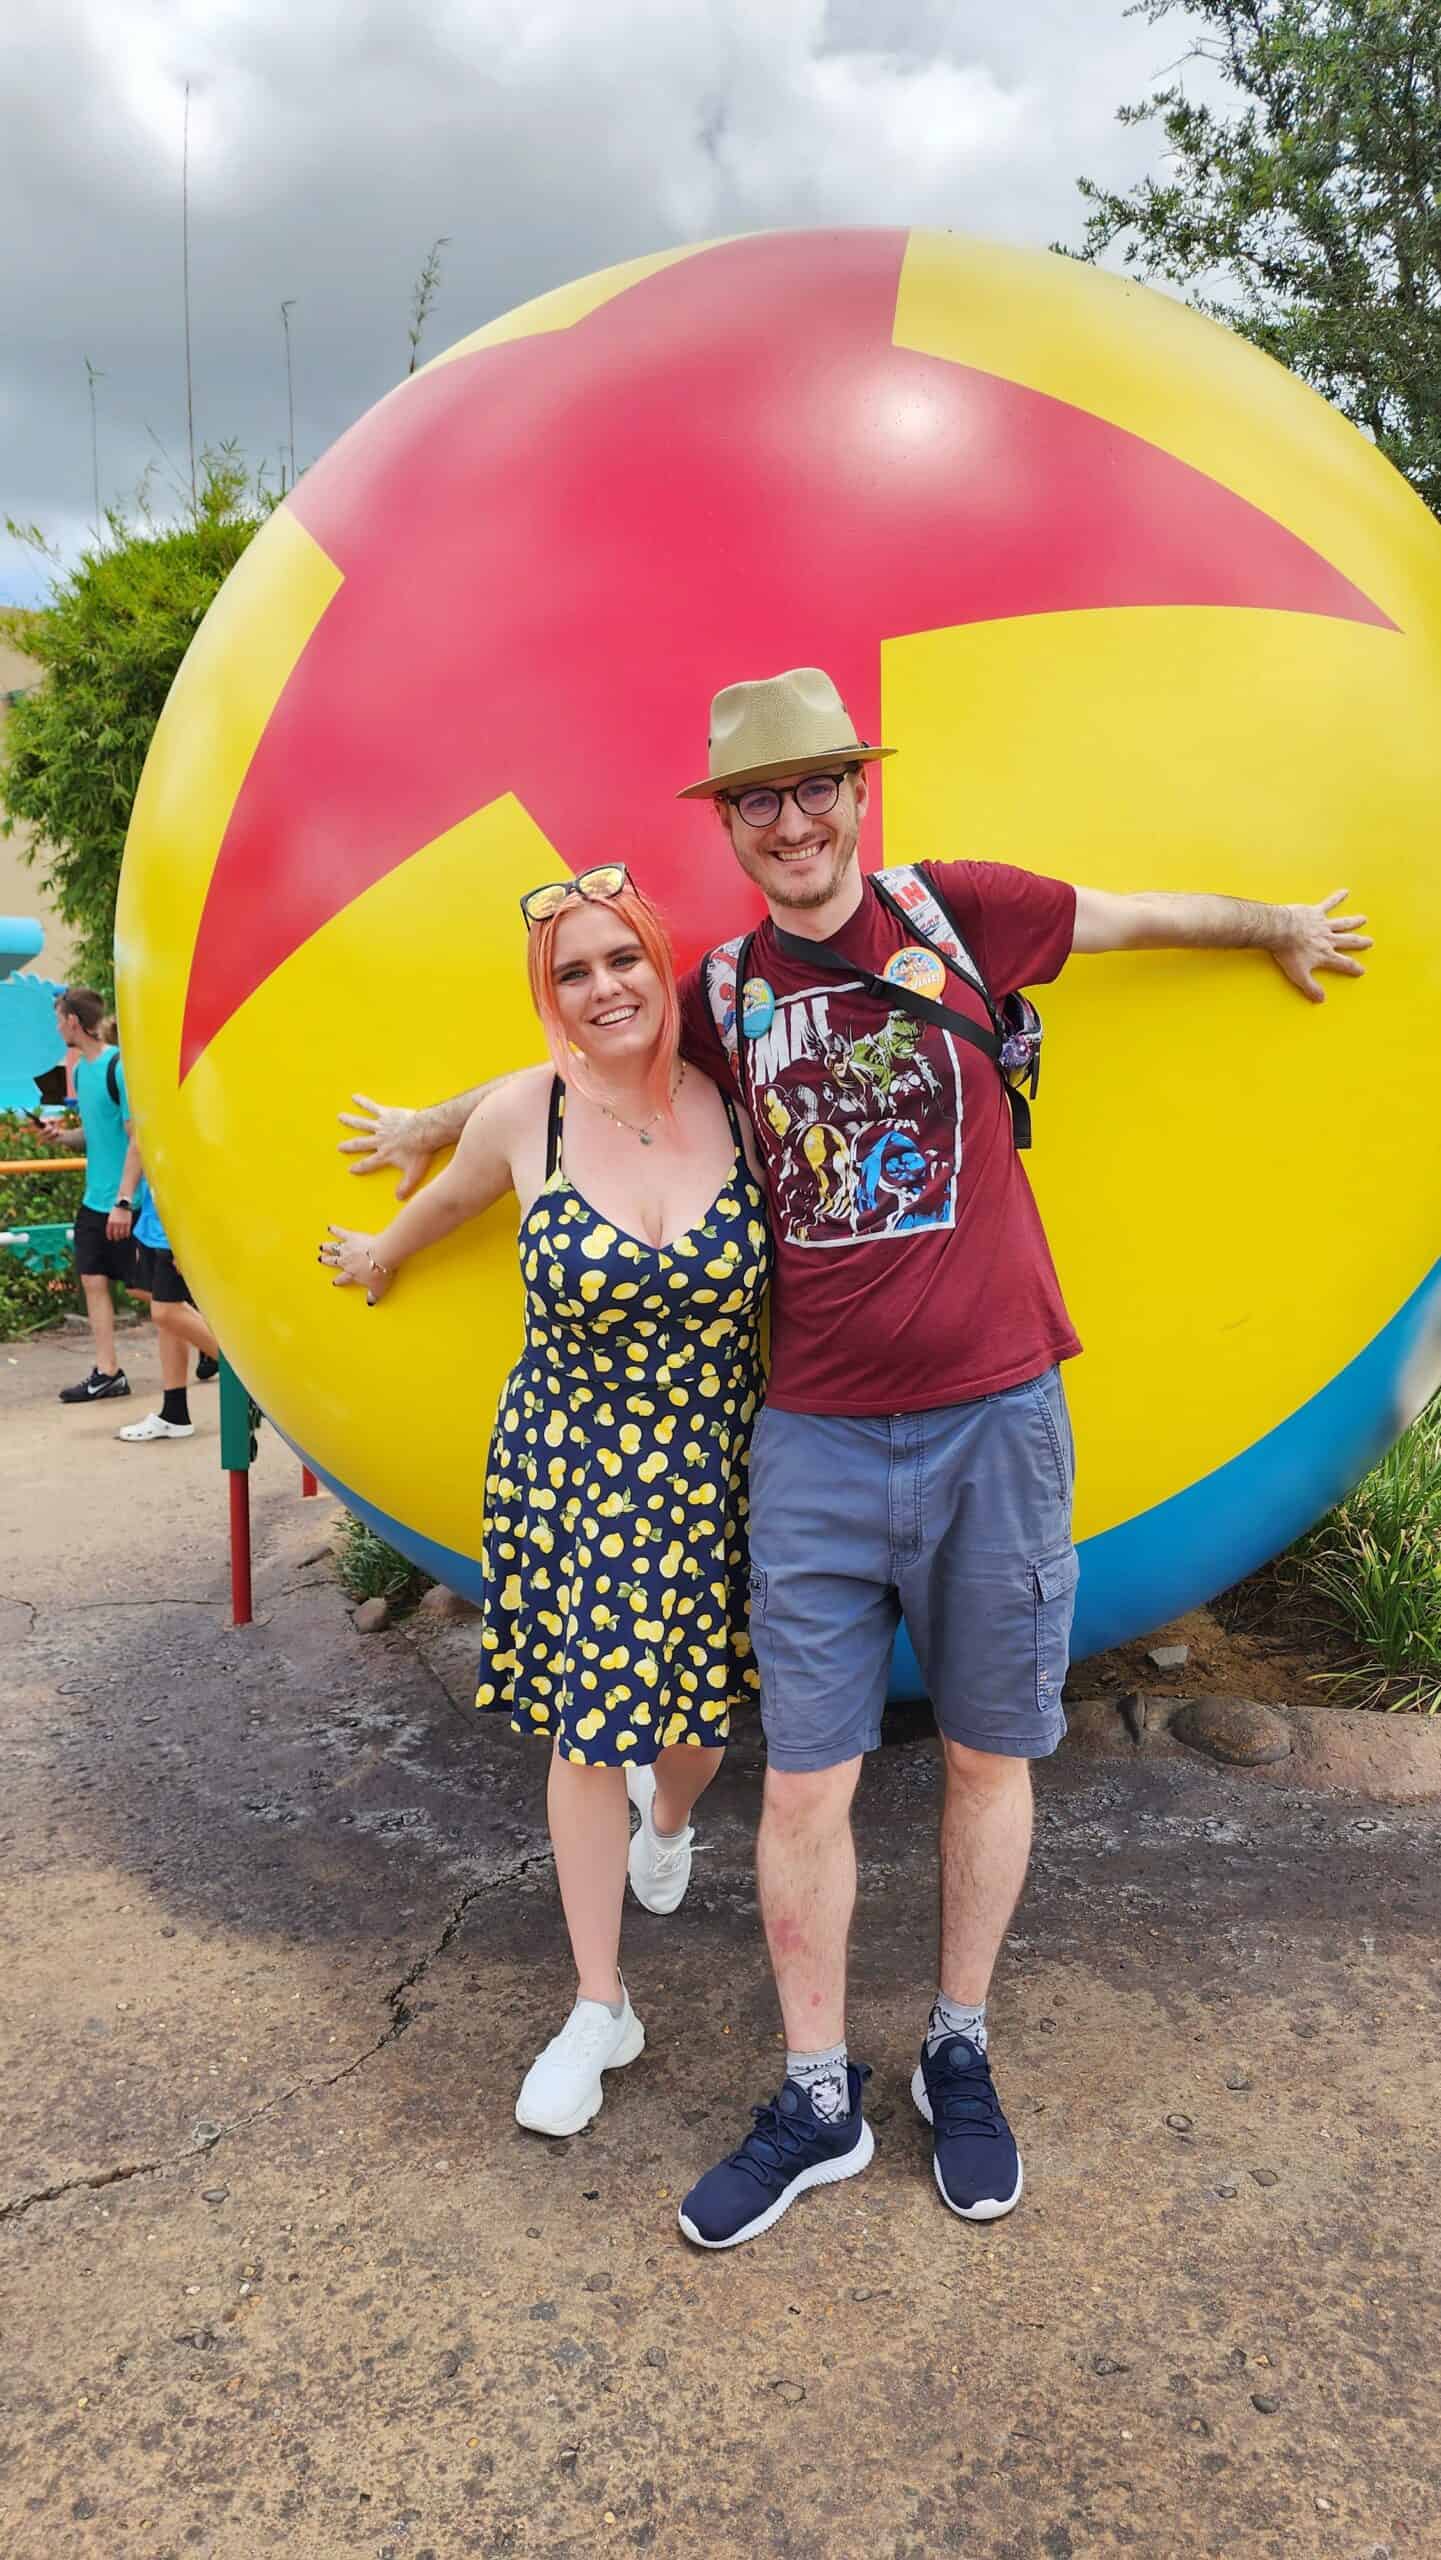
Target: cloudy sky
(332, 140)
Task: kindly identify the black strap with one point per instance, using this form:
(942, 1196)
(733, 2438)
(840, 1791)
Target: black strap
(554, 1121)
(819, 955)
(112, 1076)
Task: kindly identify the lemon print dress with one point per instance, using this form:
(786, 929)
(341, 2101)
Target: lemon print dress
(614, 1554)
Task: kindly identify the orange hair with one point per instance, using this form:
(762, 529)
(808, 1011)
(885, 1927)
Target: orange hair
(633, 910)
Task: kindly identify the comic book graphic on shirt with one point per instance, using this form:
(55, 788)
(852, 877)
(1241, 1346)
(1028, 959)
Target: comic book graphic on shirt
(862, 1127)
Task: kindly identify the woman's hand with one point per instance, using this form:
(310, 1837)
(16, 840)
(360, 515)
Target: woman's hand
(350, 1257)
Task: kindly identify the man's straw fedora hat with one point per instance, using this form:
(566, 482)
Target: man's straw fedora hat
(795, 723)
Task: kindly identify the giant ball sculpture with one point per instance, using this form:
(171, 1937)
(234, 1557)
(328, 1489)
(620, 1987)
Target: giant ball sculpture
(1135, 607)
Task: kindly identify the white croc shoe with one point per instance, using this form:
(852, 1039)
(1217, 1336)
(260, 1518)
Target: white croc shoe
(562, 2090)
(155, 1427)
(659, 1870)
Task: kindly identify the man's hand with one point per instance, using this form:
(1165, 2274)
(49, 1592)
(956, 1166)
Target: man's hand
(389, 1136)
(1321, 940)
(118, 1225)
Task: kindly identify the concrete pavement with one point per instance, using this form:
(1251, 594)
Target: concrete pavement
(282, 2274)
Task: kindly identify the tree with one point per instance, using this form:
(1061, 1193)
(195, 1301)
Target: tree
(109, 646)
(1316, 202)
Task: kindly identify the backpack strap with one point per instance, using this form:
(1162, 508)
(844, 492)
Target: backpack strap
(915, 900)
(916, 903)
(112, 1077)
(722, 976)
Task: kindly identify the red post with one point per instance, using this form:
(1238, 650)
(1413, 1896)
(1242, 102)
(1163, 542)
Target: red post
(308, 1485)
(240, 1592)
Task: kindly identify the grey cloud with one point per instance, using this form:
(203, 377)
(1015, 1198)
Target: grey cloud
(545, 137)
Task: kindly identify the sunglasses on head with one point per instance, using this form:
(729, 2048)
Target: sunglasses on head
(605, 880)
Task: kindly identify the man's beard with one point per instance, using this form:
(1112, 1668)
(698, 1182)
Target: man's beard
(819, 893)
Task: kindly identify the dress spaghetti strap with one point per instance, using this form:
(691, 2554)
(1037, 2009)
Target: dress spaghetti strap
(734, 1118)
(554, 1126)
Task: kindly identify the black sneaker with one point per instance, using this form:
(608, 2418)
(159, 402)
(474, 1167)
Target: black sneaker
(977, 2165)
(95, 1388)
(206, 1369)
(791, 2148)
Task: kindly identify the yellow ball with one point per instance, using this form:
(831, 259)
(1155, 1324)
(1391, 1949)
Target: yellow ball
(1136, 608)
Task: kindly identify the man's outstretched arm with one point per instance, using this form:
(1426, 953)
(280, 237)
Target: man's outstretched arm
(407, 1140)
(1300, 939)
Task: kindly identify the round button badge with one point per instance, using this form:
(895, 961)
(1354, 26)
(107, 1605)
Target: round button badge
(758, 1006)
(924, 972)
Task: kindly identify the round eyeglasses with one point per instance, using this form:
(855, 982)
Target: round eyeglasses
(813, 795)
(605, 880)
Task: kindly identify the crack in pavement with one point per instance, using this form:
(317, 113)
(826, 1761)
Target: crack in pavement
(208, 2138)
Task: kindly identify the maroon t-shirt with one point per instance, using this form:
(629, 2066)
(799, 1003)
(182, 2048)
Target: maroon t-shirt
(912, 1269)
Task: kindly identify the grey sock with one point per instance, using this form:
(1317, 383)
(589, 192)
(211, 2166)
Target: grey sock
(952, 2018)
(825, 2080)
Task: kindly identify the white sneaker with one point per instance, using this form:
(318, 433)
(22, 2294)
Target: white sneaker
(154, 1427)
(659, 1870)
(562, 2090)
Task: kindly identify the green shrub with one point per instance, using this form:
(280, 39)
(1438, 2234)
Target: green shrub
(1376, 1562)
(372, 1570)
(29, 1299)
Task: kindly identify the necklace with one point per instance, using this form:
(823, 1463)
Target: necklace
(642, 1128)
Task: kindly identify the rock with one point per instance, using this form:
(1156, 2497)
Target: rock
(1108, 2365)
(656, 2356)
(599, 2283)
(1169, 1657)
(1266, 2402)
(1237, 2080)
(542, 2311)
(1239, 1731)
(450, 2364)
(1265, 2177)
(1228, 2190)
(214, 2195)
(793, 2393)
(1181, 2124)
(372, 1615)
(440, 1602)
(1135, 1715)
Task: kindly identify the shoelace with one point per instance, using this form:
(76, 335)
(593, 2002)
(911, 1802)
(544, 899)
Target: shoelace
(963, 2099)
(766, 2150)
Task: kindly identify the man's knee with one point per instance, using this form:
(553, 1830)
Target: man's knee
(985, 1774)
(800, 1801)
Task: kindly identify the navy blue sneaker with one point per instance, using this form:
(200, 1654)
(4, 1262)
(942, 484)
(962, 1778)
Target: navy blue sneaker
(790, 2149)
(977, 2165)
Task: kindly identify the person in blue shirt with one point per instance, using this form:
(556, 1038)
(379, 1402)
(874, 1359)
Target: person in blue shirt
(104, 1254)
(179, 1324)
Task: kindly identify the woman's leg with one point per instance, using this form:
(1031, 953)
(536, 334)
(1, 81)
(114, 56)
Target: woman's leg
(682, 1776)
(590, 1833)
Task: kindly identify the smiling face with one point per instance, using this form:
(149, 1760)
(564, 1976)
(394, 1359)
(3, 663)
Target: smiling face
(607, 993)
(799, 861)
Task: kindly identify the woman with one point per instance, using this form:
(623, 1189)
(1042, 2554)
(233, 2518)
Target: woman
(614, 1552)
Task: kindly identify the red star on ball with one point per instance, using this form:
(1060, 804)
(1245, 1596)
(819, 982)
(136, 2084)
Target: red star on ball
(554, 550)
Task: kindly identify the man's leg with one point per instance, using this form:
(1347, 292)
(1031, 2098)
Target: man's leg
(823, 1620)
(806, 1871)
(100, 1308)
(189, 1324)
(174, 1350)
(985, 1850)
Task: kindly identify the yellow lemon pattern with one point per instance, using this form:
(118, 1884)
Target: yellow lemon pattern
(605, 1527)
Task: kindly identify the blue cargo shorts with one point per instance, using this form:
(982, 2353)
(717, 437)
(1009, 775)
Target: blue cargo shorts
(958, 1520)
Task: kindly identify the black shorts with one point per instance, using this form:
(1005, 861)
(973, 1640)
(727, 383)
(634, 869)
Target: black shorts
(99, 1256)
(156, 1274)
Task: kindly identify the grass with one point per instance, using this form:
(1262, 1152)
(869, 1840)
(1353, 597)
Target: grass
(372, 1570)
(1375, 1562)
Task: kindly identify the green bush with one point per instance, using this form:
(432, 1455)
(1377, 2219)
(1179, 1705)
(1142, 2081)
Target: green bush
(29, 1299)
(1376, 1562)
(372, 1570)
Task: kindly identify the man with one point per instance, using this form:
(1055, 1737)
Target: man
(103, 1250)
(179, 1324)
(914, 1456)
